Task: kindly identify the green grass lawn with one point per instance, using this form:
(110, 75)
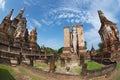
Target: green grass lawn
(118, 67)
(91, 65)
(41, 65)
(25, 72)
(118, 78)
(78, 70)
(6, 72)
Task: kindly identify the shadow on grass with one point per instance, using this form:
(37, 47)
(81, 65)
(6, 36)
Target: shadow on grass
(5, 75)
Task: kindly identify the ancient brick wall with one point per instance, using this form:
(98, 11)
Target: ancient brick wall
(98, 72)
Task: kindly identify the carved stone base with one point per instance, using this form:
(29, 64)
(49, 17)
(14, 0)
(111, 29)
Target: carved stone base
(74, 57)
(66, 52)
(82, 50)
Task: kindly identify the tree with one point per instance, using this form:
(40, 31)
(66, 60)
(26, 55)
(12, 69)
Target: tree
(85, 44)
(50, 50)
(100, 47)
(60, 50)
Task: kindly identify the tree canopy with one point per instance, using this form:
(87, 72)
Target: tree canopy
(60, 50)
(100, 47)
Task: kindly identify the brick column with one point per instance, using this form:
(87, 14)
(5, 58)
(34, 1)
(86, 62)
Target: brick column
(52, 64)
(66, 40)
(31, 61)
(81, 42)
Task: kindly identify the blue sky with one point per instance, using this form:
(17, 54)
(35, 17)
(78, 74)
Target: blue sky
(50, 17)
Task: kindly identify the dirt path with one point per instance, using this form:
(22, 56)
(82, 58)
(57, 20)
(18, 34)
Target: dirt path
(114, 75)
(20, 76)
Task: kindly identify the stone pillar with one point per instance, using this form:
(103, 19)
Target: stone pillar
(19, 58)
(66, 40)
(62, 62)
(52, 64)
(82, 59)
(84, 70)
(81, 42)
(31, 61)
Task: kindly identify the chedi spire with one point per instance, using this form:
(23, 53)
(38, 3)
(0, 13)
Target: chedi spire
(21, 13)
(10, 14)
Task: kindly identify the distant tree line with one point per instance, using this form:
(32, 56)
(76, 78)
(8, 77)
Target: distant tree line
(51, 50)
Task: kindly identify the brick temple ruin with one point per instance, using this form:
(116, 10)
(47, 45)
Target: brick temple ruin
(16, 43)
(110, 41)
(74, 44)
(14, 32)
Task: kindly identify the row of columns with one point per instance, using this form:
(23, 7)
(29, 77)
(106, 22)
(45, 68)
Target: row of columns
(52, 63)
(19, 59)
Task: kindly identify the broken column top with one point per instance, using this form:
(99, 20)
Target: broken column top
(103, 19)
(78, 25)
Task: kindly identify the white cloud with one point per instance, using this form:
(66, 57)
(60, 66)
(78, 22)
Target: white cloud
(30, 2)
(36, 23)
(92, 35)
(79, 11)
(68, 15)
(2, 4)
(85, 11)
(46, 22)
(31, 23)
(27, 3)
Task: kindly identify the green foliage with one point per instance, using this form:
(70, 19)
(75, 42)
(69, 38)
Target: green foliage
(6, 73)
(41, 65)
(100, 47)
(118, 67)
(98, 50)
(50, 50)
(60, 50)
(78, 70)
(93, 65)
(118, 78)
